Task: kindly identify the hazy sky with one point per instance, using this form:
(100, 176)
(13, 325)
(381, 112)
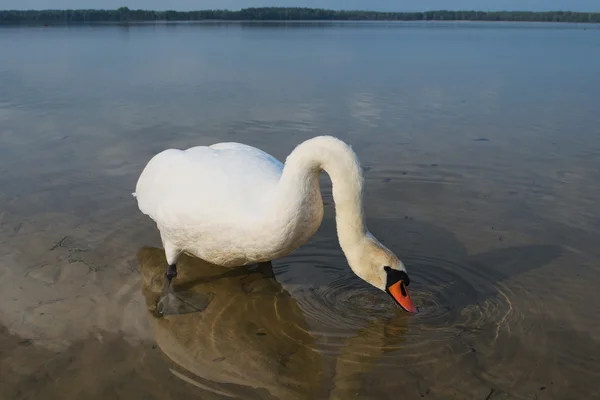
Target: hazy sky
(391, 5)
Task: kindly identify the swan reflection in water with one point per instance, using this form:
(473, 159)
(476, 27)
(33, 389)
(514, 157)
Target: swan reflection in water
(234, 329)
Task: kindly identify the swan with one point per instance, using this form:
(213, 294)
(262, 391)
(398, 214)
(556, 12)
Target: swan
(232, 204)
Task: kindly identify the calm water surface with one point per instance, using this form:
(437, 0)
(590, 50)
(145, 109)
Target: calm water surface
(481, 150)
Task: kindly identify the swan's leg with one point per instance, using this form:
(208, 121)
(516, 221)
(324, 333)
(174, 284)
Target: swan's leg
(171, 272)
(180, 302)
(172, 254)
(169, 303)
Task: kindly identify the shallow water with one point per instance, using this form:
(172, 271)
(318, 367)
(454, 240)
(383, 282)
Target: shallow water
(481, 150)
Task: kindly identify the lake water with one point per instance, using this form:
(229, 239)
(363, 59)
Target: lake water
(481, 149)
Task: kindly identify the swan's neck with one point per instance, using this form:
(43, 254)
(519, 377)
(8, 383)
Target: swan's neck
(299, 185)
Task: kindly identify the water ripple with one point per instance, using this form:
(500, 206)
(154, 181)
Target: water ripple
(456, 300)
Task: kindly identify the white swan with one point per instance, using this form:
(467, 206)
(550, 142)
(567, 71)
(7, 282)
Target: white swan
(231, 205)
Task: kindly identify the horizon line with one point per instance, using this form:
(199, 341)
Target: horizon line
(307, 8)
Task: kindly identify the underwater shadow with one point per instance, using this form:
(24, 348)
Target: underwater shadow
(249, 332)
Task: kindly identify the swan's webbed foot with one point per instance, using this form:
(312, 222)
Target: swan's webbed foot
(176, 303)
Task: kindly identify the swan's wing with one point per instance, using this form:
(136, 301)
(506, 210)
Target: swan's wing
(224, 182)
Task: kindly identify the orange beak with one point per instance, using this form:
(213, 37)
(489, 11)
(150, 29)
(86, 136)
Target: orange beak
(400, 294)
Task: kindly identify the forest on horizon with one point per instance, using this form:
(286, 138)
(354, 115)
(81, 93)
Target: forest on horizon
(125, 14)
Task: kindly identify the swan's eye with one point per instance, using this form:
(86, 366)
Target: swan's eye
(395, 276)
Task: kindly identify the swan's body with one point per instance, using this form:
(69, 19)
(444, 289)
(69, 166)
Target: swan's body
(217, 203)
(231, 204)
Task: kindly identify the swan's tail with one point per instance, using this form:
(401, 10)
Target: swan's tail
(134, 194)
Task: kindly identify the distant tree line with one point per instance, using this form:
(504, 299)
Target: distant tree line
(124, 14)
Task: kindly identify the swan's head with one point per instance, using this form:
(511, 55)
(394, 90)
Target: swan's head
(379, 266)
